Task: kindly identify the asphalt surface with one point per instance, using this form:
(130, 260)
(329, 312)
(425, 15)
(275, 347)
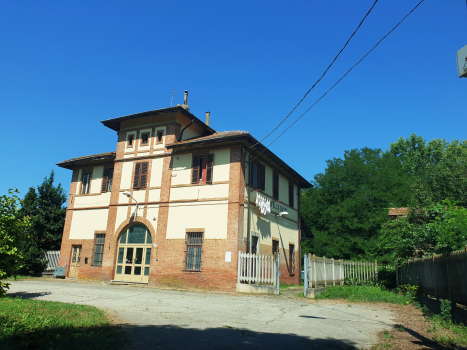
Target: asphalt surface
(169, 319)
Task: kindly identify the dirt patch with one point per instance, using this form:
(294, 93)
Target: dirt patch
(411, 332)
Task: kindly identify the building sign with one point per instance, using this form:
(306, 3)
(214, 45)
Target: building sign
(280, 208)
(263, 204)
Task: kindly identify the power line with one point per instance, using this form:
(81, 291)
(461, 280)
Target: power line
(334, 60)
(332, 87)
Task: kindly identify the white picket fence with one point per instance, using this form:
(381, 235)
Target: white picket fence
(321, 271)
(52, 257)
(256, 268)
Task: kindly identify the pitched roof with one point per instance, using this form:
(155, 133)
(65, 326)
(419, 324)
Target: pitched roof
(398, 211)
(241, 136)
(114, 123)
(70, 163)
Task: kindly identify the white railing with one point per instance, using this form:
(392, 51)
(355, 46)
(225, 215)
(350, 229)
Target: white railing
(256, 268)
(52, 257)
(323, 271)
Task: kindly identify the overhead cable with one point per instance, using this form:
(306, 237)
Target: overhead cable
(332, 87)
(334, 60)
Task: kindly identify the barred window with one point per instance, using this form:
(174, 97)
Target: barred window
(98, 249)
(194, 245)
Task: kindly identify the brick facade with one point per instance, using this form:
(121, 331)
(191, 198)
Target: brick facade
(168, 254)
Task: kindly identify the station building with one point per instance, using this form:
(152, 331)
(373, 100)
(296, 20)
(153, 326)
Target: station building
(176, 202)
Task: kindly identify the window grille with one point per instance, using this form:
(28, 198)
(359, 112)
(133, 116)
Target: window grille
(194, 244)
(98, 249)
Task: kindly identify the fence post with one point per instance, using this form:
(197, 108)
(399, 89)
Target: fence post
(397, 276)
(305, 277)
(342, 272)
(325, 273)
(239, 259)
(376, 270)
(314, 270)
(278, 271)
(333, 275)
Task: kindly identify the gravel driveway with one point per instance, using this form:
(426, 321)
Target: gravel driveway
(168, 319)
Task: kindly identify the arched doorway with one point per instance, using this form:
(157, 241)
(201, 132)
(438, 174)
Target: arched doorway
(134, 255)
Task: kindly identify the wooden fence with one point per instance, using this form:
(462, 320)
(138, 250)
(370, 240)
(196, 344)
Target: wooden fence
(322, 271)
(442, 276)
(52, 261)
(256, 268)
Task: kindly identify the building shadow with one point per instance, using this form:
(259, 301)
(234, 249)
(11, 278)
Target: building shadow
(27, 295)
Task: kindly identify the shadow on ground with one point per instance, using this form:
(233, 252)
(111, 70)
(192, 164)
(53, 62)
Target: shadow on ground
(163, 337)
(170, 337)
(26, 295)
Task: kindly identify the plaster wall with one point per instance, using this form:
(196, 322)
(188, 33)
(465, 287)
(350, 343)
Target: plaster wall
(156, 172)
(96, 182)
(85, 222)
(209, 215)
(200, 192)
(92, 201)
(127, 170)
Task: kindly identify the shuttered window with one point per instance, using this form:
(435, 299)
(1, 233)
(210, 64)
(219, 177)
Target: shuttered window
(275, 186)
(141, 174)
(201, 169)
(107, 179)
(291, 196)
(99, 241)
(258, 176)
(85, 183)
(194, 245)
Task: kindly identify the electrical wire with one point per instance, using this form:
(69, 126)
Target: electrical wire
(334, 60)
(332, 87)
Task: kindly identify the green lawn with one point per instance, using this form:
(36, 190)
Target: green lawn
(369, 294)
(33, 324)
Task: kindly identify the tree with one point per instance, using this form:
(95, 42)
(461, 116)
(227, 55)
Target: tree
(45, 209)
(13, 235)
(349, 201)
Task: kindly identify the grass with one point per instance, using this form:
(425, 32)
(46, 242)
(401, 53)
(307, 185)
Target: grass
(34, 324)
(369, 294)
(18, 278)
(287, 286)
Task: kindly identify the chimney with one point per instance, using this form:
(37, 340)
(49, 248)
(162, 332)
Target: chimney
(207, 118)
(185, 99)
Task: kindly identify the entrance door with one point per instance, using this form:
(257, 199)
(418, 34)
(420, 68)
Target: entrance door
(134, 255)
(75, 261)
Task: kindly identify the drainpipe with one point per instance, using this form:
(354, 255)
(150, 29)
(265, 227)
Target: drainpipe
(181, 133)
(248, 199)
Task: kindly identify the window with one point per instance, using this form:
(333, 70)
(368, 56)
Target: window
(291, 259)
(194, 244)
(99, 241)
(291, 197)
(85, 183)
(275, 246)
(254, 245)
(107, 180)
(159, 135)
(144, 138)
(275, 186)
(258, 177)
(201, 169)
(141, 173)
(130, 140)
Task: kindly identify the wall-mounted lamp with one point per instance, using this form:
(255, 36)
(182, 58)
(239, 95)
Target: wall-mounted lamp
(282, 213)
(128, 194)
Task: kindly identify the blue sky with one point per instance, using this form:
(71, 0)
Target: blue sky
(67, 65)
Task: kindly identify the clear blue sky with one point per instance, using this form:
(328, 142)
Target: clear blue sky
(67, 65)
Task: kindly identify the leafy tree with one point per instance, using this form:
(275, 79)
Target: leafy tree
(349, 202)
(13, 235)
(438, 228)
(47, 215)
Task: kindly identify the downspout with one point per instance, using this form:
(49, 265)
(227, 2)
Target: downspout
(181, 133)
(248, 198)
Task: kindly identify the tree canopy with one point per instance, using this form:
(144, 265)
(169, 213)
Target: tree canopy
(348, 207)
(45, 209)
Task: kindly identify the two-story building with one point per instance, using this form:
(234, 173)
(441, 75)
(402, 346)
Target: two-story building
(175, 203)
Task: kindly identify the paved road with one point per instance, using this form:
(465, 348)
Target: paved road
(167, 319)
